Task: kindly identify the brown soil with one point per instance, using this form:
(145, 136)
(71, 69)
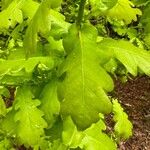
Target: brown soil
(134, 96)
(9, 100)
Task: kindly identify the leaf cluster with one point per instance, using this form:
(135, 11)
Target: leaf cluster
(61, 72)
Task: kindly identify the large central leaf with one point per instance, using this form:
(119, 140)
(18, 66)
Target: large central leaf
(83, 91)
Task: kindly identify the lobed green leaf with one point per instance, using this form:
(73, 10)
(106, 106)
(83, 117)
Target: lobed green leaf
(123, 127)
(132, 57)
(85, 83)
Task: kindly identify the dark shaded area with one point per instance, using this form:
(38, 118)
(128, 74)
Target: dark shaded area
(134, 96)
(9, 100)
(23, 148)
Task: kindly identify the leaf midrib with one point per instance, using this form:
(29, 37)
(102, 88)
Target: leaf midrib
(82, 67)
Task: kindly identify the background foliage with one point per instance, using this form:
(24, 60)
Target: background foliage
(61, 68)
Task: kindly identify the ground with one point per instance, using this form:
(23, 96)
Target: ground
(135, 98)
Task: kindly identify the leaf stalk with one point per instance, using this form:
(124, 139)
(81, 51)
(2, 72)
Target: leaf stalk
(80, 13)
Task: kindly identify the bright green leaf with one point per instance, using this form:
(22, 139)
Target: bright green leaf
(6, 144)
(83, 90)
(30, 124)
(20, 70)
(96, 139)
(55, 132)
(4, 91)
(39, 23)
(12, 15)
(3, 110)
(29, 8)
(102, 5)
(8, 125)
(124, 10)
(57, 144)
(123, 127)
(55, 3)
(44, 144)
(59, 26)
(71, 136)
(130, 56)
(49, 102)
